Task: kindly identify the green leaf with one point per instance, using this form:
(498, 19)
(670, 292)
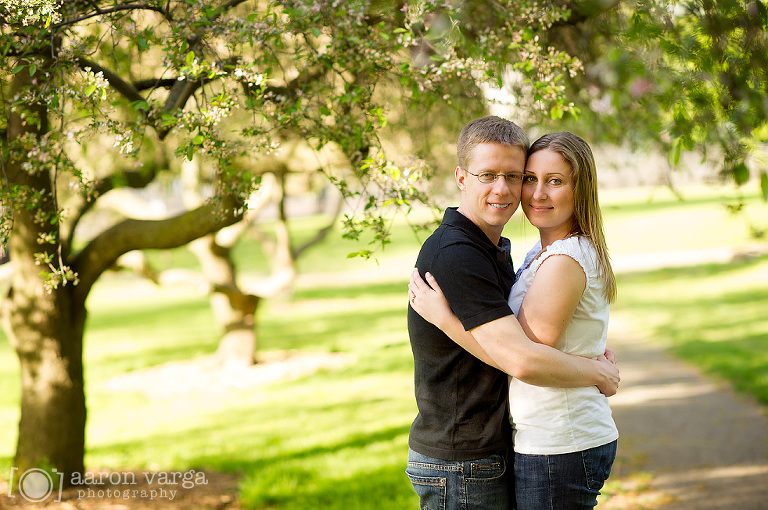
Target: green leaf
(198, 140)
(740, 174)
(364, 253)
(190, 58)
(764, 185)
(677, 147)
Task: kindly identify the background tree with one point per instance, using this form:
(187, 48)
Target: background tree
(220, 81)
(681, 76)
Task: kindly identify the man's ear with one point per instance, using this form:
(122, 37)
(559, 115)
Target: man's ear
(461, 176)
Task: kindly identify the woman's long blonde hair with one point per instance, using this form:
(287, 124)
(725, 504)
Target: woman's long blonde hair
(586, 208)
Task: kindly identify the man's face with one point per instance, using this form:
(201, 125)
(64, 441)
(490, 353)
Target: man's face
(490, 206)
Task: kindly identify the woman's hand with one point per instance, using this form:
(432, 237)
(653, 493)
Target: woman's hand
(428, 300)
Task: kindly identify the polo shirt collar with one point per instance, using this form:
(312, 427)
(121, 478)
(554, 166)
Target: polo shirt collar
(503, 249)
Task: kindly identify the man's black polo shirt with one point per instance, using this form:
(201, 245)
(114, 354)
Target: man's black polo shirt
(462, 401)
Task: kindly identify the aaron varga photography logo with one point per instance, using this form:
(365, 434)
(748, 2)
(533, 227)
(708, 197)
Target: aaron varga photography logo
(36, 485)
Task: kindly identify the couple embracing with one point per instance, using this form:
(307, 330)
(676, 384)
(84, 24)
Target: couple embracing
(511, 373)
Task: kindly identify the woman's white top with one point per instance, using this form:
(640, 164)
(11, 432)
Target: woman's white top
(564, 420)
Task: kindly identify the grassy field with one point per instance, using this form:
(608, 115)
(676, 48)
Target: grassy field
(713, 315)
(337, 439)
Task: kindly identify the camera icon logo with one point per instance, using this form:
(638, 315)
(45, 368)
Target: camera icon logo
(35, 484)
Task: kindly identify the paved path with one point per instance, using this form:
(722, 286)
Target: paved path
(686, 443)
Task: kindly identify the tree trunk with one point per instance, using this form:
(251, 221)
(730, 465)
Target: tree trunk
(234, 309)
(45, 328)
(47, 331)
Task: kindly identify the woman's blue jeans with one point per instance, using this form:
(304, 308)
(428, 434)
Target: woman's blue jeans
(571, 481)
(481, 484)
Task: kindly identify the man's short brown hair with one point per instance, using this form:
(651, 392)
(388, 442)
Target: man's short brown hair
(491, 129)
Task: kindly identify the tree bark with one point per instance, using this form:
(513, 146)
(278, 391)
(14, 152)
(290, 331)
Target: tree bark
(234, 309)
(48, 336)
(45, 328)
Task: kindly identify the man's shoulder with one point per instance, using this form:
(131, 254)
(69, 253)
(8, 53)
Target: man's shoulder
(448, 242)
(448, 234)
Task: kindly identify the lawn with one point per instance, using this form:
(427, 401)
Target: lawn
(712, 315)
(337, 438)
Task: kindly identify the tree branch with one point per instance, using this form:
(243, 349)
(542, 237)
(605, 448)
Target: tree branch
(152, 83)
(102, 252)
(120, 85)
(322, 233)
(111, 10)
(582, 11)
(121, 178)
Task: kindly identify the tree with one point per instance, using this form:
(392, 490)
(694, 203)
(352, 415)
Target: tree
(215, 80)
(689, 75)
(234, 304)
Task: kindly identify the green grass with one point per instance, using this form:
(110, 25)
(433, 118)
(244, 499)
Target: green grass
(712, 315)
(338, 438)
(334, 439)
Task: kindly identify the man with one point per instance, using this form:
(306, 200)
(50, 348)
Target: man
(459, 441)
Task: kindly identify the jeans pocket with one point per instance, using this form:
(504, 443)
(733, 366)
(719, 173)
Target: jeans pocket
(430, 489)
(489, 469)
(597, 464)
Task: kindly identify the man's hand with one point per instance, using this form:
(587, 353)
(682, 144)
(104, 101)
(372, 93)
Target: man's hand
(611, 356)
(610, 374)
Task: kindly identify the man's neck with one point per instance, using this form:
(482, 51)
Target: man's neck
(492, 233)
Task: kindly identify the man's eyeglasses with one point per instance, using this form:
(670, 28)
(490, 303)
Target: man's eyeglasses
(490, 177)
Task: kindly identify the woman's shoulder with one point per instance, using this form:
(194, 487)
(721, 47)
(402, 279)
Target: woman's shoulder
(579, 248)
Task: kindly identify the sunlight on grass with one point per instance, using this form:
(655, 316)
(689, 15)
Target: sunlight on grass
(712, 315)
(324, 434)
(664, 222)
(9, 403)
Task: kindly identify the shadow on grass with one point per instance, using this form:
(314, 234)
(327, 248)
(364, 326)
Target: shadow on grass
(346, 471)
(105, 366)
(150, 313)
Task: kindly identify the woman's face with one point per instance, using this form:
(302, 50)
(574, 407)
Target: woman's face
(548, 194)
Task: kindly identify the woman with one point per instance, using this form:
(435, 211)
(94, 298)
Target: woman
(565, 438)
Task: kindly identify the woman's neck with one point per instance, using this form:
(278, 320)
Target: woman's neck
(549, 236)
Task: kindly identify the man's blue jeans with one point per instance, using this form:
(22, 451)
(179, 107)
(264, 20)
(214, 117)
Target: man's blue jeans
(475, 484)
(571, 481)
